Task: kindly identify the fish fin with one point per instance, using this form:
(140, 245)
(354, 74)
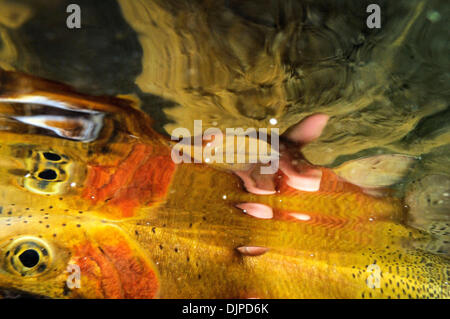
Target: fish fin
(376, 171)
(113, 266)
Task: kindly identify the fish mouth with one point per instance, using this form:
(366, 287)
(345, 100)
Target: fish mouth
(11, 293)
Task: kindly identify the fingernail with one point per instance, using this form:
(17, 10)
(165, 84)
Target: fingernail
(257, 210)
(300, 216)
(252, 250)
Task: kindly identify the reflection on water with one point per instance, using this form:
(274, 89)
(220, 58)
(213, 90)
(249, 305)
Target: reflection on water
(90, 177)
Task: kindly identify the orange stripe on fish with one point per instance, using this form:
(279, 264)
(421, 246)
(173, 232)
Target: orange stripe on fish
(103, 279)
(141, 179)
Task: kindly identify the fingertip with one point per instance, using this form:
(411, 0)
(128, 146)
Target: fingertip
(256, 210)
(252, 250)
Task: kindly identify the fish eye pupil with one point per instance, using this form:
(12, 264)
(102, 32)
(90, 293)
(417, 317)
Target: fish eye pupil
(48, 174)
(29, 258)
(52, 156)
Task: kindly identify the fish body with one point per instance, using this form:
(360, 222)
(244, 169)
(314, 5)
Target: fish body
(134, 224)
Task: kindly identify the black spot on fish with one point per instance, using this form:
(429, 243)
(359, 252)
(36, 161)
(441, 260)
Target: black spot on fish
(41, 267)
(66, 290)
(16, 251)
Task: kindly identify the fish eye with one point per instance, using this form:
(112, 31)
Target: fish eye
(27, 257)
(53, 157)
(48, 174)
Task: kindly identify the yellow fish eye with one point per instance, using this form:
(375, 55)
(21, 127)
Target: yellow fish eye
(27, 256)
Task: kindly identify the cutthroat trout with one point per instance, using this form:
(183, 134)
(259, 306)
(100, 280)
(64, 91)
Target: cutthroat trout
(92, 206)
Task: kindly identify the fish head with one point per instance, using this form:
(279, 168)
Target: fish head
(63, 158)
(64, 151)
(55, 175)
(59, 256)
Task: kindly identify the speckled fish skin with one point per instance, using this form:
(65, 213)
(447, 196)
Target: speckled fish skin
(139, 226)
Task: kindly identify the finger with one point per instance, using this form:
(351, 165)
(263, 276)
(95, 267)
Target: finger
(257, 183)
(256, 210)
(301, 177)
(308, 130)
